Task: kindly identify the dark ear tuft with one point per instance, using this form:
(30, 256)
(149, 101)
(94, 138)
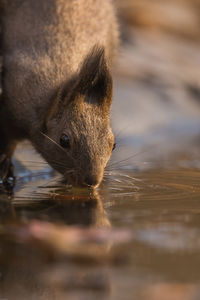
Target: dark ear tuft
(95, 81)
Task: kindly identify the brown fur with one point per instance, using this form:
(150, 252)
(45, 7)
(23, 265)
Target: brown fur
(56, 79)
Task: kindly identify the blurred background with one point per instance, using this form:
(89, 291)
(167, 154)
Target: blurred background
(157, 81)
(178, 17)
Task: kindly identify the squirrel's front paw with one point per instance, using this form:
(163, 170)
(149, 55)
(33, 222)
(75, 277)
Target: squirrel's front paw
(7, 179)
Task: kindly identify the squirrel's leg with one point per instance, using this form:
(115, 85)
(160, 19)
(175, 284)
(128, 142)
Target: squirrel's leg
(7, 179)
(7, 146)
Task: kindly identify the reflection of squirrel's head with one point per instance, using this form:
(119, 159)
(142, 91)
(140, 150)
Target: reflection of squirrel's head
(82, 210)
(78, 121)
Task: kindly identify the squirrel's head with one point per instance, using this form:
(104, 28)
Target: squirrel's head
(78, 140)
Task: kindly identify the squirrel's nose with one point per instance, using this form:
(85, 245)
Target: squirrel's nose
(91, 180)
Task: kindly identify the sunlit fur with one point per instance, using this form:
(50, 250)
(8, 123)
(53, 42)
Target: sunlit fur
(91, 141)
(57, 80)
(85, 119)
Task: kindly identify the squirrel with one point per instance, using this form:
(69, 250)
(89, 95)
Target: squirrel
(57, 85)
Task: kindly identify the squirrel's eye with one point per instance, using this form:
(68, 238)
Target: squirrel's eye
(64, 141)
(114, 146)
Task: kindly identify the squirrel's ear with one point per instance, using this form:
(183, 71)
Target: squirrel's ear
(95, 81)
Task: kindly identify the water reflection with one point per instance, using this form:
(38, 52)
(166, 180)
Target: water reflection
(46, 266)
(138, 233)
(80, 209)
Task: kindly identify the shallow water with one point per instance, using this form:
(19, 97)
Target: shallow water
(143, 241)
(138, 235)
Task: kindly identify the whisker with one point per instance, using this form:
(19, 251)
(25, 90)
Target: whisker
(31, 175)
(36, 161)
(59, 146)
(56, 180)
(125, 176)
(128, 158)
(54, 142)
(57, 163)
(67, 172)
(121, 130)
